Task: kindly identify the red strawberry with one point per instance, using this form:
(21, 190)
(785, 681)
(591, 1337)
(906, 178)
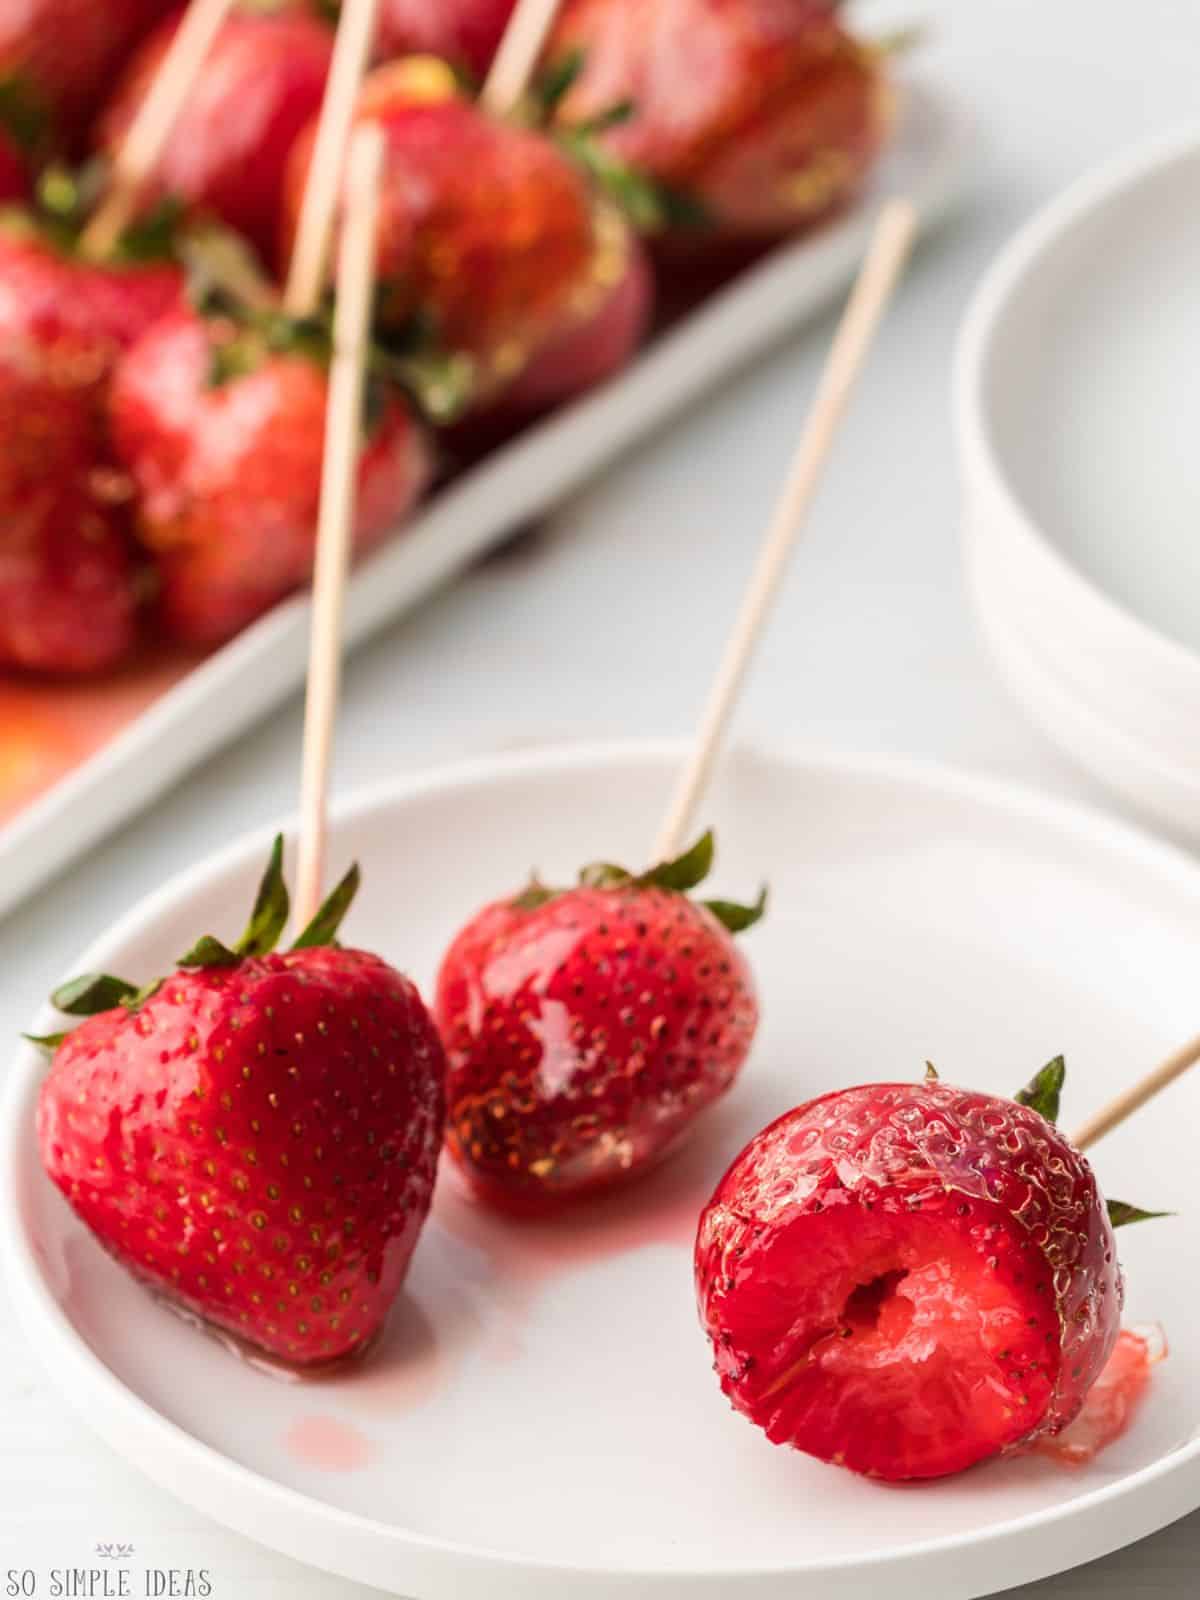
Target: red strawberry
(587, 1028)
(80, 314)
(598, 342)
(14, 176)
(763, 114)
(261, 84)
(61, 54)
(68, 590)
(257, 1135)
(464, 32)
(486, 228)
(905, 1279)
(222, 429)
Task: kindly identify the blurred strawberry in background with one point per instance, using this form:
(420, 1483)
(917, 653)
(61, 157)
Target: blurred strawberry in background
(261, 84)
(755, 116)
(462, 32)
(221, 425)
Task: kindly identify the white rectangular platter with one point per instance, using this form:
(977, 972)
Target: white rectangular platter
(243, 681)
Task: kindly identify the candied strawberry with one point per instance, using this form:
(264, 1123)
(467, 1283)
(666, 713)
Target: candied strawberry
(464, 32)
(261, 84)
(587, 1028)
(222, 430)
(486, 229)
(256, 1136)
(599, 341)
(905, 1279)
(80, 314)
(761, 114)
(60, 54)
(68, 587)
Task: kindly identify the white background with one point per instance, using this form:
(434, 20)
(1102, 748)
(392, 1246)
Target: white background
(607, 622)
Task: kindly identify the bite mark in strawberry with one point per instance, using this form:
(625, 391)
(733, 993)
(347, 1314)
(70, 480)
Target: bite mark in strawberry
(905, 1279)
(255, 1136)
(587, 1028)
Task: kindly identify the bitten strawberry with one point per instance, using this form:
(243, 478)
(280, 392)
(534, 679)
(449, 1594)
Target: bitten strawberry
(221, 425)
(256, 1136)
(761, 114)
(587, 1028)
(463, 32)
(487, 230)
(259, 86)
(905, 1279)
(68, 584)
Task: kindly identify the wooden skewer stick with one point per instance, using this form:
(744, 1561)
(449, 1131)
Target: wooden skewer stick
(343, 435)
(152, 126)
(1133, 1098)
(318, 207)
(526, 33)
(886, 255)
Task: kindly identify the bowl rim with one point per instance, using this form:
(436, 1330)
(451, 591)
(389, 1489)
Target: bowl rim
(981, 464)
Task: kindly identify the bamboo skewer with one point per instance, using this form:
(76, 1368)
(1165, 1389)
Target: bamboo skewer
(877, 278)
(343, 433)
(318, 208)
(152, 126)
(515, 60)
(1136, 1096)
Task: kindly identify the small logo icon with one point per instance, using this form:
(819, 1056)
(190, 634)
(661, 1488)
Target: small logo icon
(114, 1552)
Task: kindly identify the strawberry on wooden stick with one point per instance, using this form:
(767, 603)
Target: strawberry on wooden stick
(256, 1134)
(219, 416)
(908, 1278)
(587, 1027)
(260, 84)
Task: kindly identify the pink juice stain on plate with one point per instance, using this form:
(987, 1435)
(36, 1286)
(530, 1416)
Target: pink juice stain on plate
(328, 1444)
(1113, 1400)
(492, 1269)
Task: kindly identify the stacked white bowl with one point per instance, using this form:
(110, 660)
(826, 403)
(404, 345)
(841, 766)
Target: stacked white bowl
(1077, 402)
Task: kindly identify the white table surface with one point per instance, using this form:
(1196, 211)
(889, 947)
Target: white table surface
(606, 622)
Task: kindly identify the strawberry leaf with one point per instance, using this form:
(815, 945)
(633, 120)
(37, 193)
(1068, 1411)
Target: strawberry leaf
(737, 918)
(552, 85)
(932, 1075)
(604, 875)
(209, 952)
(322, 930)
(91, 994)
(687, 870)
(271, 908)
(46, 1041)
(1121, 1213)
(534, 895)
(1043, 1093)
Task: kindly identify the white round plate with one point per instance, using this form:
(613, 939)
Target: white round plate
(1075, 410)
(541, 1419)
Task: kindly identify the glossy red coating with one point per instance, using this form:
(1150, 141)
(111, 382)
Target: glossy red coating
(766, 112)
(486, 229)
(80, 314)
(584, 1036)
(68, 586)
(463, 32)
(258, 1142)
(228, 475)
(61, 54)
(262, 83)
(905, 1279)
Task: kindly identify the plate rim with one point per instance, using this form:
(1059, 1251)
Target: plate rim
(1004, 282)
(147, 1433)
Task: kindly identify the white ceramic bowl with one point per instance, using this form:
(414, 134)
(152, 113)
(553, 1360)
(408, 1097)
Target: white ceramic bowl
(1075, 402)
